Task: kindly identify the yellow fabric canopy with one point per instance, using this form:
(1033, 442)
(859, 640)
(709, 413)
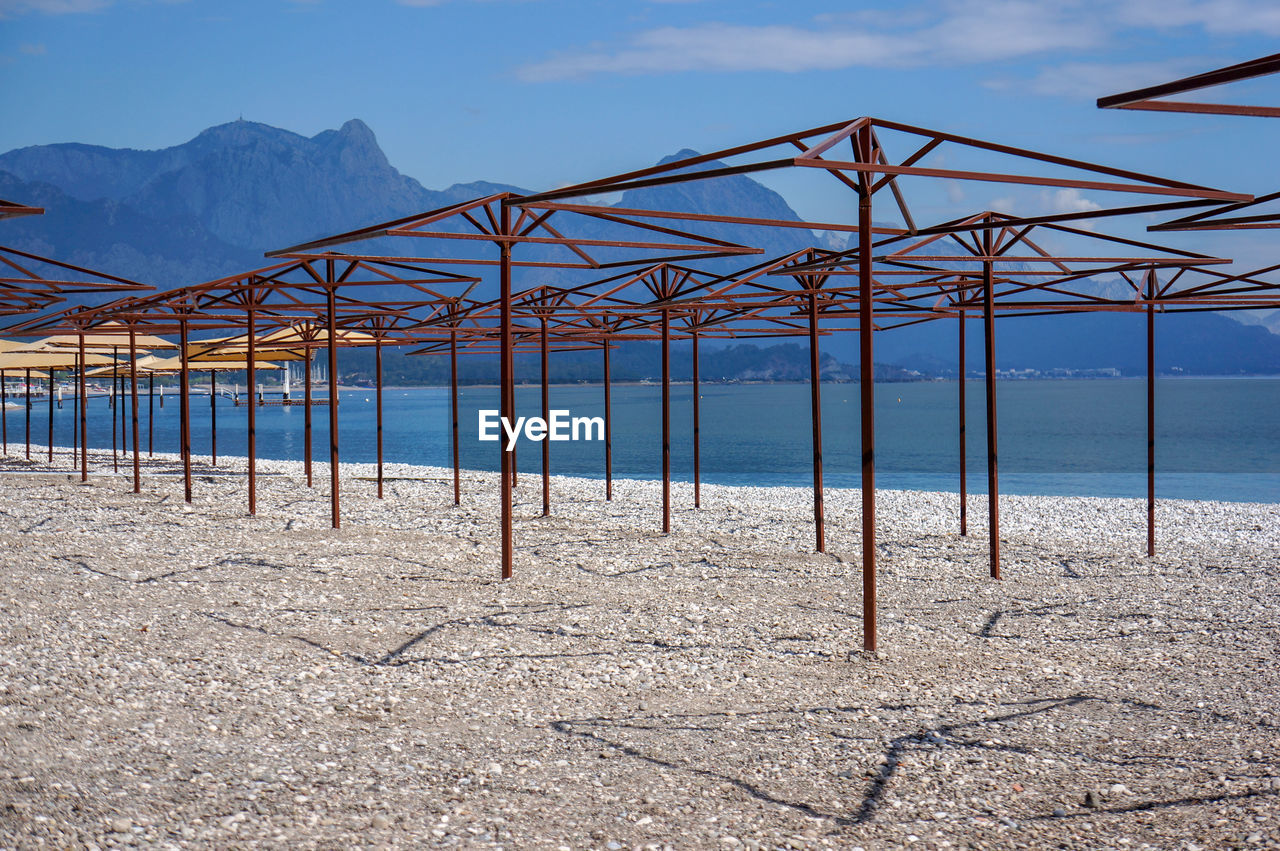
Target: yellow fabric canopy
(48, 360)
(175, 365)
(281, 344)
(108, 336)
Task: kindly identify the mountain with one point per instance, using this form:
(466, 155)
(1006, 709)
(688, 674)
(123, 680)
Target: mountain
(211, 206)
(248, 184)
(631, 361)
(1192, 343)
(739, 193)
(1269, 319)
(116, 237)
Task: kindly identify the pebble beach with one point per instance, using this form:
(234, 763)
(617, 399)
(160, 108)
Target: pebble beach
(189, 676)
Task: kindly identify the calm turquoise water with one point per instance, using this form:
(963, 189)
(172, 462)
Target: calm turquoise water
(1216, 438)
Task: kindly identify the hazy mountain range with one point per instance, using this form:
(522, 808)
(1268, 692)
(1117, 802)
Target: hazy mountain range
(211, 207)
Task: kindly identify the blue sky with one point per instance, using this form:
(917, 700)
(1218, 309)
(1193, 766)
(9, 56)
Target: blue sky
(541, 93)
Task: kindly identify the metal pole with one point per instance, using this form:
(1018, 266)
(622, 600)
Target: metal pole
(511, 402)
(213, 417)
(666, 421)
(133, 394)
(151, 414)
(75, 416)
(28, 412)
(964, 495)
(608, 428)
(377, 358)
(507, 391)
(1151, 416)
(546, 417)
(815, 409)
(115, 378)
(697, 430)
(4, 412)
(867, 401)
(84, 419)
(993, 473)
(124, 424)
(252, 375)
(333, 399)
(184, 396)
(453, 413)
(50, 415)
(306, 418)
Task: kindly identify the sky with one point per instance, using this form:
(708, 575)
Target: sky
(542, 93)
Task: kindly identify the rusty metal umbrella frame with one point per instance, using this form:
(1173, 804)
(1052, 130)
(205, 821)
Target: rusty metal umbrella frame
(869, 170)
(1154, 98)
(577, 313)
(1035, 281)
(494, 221)
(285, 294)
(910, 286)
(31, 283)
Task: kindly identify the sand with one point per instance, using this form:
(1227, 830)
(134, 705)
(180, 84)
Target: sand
(176, 676)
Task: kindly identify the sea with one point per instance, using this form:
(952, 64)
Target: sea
(1216, 438)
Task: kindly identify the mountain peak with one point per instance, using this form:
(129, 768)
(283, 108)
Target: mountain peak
(355, 128)
(238, 133)
(682, 154)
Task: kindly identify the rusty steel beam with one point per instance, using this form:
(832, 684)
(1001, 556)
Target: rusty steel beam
(608, 426)
(84, 420)
(993, 474)
(133, 397)
(252, 378)
(815, 419)
(697, 430)
(50, 446)
(546, 418)
(184, 391)
(377, 369)
(866, 388)
(1148, 98)
(1151, 418)
(306, 417)
(334, 499)
(964, 496)
(506, 393)
(115, 381)
(453, 414)
(213, 418)
(666, 422)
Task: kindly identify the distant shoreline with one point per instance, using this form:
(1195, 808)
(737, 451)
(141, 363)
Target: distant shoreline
(753, 383)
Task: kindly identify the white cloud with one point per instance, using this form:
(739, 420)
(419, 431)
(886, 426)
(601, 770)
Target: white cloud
(1068, 201)
(931, 33)
(967, 32)
(1091, 79)
(1213, 16)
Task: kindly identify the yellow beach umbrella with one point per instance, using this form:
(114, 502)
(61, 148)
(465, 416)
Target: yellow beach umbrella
(107, 337)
